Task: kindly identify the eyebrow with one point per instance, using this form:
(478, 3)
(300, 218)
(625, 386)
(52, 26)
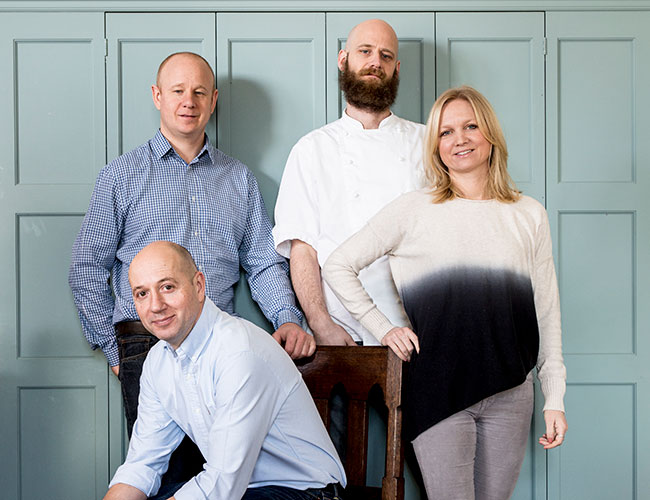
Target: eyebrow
(368, 45)
(159, 282)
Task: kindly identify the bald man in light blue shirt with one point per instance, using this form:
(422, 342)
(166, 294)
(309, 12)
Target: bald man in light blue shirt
(226, 384)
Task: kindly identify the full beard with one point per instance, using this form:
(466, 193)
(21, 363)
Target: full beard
(369, 96)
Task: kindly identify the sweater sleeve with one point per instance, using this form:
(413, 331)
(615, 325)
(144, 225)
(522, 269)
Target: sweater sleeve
(550, 364)
(379, 237)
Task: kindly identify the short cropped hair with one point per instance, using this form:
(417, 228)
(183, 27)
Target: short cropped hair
(500, 185)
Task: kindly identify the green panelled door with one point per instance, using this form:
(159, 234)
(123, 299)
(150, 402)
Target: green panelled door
(598, 186)
(502, 56)
(271, 78)
(53, 388)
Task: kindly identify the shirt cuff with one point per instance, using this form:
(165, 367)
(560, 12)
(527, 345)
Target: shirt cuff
(112, 354)
(139, 476)
(288, 316)
(190, 491)
(283, 237)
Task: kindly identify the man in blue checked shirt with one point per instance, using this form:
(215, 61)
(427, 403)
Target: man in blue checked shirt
(177, 187)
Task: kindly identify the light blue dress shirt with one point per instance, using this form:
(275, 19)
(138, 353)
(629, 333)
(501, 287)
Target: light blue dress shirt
(237, 394)
(212, 207)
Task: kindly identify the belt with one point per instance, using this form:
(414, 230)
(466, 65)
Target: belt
(334, 489)
(130, 328)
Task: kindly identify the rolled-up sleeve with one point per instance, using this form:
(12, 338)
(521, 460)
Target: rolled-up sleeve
(155, 437)
(296, 212)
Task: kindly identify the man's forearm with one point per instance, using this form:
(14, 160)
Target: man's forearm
(123, 491)
(306, 280)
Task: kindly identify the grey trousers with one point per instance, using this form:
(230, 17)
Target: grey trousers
(476, 454)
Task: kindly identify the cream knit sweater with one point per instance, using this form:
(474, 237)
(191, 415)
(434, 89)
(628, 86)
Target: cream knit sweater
(478, 283)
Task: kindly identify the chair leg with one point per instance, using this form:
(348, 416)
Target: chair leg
(393, 481)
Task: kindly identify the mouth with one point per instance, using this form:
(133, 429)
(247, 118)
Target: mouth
(373, 73)
(464, 152)
(162, 322)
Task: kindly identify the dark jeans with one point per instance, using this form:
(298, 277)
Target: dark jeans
(331, 492)
(186, 461)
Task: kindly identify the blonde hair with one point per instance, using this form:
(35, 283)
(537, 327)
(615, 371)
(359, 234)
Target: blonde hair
(500, 185)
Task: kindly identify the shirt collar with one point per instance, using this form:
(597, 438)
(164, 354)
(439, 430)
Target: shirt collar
(387, 123)
(196, 340)
(161, 146)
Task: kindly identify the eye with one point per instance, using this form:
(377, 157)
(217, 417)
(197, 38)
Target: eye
(177, 91)
(387, 57)
(168, 287)
(472, 126)
(200, 92)
(445, 133)
(364, 51)
(140, 294)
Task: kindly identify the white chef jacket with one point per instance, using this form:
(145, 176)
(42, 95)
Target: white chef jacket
(335, 179)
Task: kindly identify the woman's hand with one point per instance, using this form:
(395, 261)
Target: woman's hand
(556, 428)
(402, 341)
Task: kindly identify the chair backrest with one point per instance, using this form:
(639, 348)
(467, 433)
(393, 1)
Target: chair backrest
(358, 370)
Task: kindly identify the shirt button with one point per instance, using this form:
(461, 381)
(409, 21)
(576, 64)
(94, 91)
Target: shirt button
(356, 195)
(350, 162)
(197, 411)
(193, 198)
(196, 233)
(401, 158)
(200, 267)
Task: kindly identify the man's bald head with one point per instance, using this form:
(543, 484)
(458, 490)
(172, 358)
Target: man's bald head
(190, 55)
(370, 30)
(166, 251)
(168, 291)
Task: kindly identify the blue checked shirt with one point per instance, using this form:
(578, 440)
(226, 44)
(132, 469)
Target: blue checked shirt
(212, 207)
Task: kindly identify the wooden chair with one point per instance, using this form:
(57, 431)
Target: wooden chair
(358, 370)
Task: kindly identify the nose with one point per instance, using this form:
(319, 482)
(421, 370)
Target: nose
(188, 100)
(461, 137)
(375, 59)
(156, 304)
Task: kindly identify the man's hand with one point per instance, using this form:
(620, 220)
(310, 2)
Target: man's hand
(331, 334)
(116, 370)
(402, 341)
(556, 428)
(297, 342)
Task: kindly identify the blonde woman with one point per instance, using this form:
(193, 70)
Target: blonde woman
(472, 260)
